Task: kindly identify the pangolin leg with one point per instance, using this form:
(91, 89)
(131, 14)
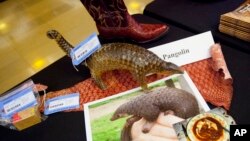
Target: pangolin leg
(142, 81)
(132, 119)
(126, 131)
(98, 80)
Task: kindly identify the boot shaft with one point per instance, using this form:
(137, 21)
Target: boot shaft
(107, 13)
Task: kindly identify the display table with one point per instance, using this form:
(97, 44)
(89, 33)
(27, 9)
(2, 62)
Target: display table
(70, 126)
(60, 75)
(197, 16)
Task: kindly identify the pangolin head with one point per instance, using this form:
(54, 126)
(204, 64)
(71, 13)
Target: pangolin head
(119, 113)
(52, 34)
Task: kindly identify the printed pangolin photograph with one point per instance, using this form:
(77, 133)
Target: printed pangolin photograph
(138, 114)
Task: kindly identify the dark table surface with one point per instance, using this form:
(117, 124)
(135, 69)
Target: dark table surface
(197, 16)
(70, 126)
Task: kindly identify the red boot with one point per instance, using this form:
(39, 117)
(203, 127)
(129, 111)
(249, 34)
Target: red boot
(113, 21)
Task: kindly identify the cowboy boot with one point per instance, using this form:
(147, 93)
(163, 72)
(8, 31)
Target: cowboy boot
(113, 21)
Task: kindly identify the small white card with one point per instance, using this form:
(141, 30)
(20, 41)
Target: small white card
(17, 101)
(20, 102)
(61, 103)
(85, 49)
(187, 50)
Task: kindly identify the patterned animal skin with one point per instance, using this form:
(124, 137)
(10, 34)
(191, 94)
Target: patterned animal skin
(211, 83)
(118, 81)
(139, 61)
(113, 21)
(212, 78)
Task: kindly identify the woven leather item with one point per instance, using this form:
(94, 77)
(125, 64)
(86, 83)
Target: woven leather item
(210, 83)
(210, 76)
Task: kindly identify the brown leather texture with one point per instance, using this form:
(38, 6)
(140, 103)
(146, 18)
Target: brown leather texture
(113, 21)
(141, 33)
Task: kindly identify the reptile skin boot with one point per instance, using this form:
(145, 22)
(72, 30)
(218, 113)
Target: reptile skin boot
(113, 21)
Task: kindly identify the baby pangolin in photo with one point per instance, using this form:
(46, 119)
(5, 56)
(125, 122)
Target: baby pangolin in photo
(121, 56)
(165, 99)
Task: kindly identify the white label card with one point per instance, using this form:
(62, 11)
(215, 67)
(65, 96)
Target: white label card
(187, 50)
(61, 103)
(85, 49)
(18, 102)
